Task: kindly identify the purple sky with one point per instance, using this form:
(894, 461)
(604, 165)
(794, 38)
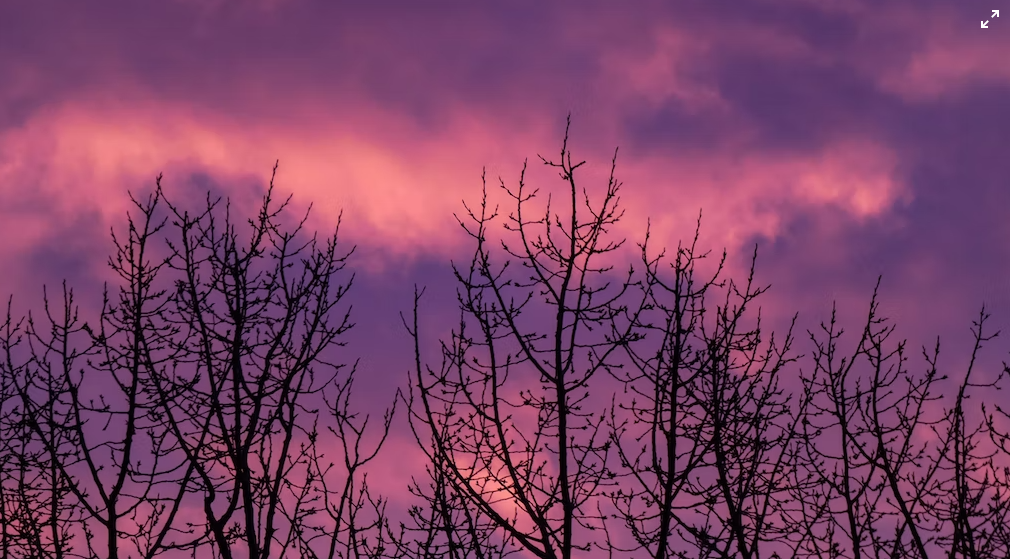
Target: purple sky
(849, 138)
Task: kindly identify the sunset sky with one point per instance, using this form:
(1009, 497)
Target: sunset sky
(847, 138)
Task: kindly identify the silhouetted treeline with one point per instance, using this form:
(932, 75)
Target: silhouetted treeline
(576, 410)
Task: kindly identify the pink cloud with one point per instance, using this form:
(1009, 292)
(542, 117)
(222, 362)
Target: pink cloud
(391, 120)
(744, 196)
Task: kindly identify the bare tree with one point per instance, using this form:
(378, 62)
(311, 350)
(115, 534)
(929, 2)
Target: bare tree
(447, 526)
(722, 445)
(38, 512)
(880, 471)
(201, 389)
(969, 499)
(258, 328)
(92, 442)
(702, 440)
(524, 486)
(206, 409)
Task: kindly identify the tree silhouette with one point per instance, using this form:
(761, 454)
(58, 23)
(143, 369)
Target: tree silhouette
(213, 363)
(723, 442)
(516, 487)
(879, 473)
(702, 441)
(204, 407)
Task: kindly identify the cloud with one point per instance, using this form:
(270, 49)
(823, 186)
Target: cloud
(848, 138)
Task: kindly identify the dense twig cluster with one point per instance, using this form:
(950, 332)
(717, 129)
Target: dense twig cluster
(575, 411)
(722, 441)
(188, 418)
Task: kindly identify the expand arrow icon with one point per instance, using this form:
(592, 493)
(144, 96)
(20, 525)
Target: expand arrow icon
(985, 24)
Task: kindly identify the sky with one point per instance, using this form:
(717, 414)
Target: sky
(846, 138)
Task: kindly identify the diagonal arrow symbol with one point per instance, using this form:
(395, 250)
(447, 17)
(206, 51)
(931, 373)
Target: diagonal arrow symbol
(995, 13)
(985, 24)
